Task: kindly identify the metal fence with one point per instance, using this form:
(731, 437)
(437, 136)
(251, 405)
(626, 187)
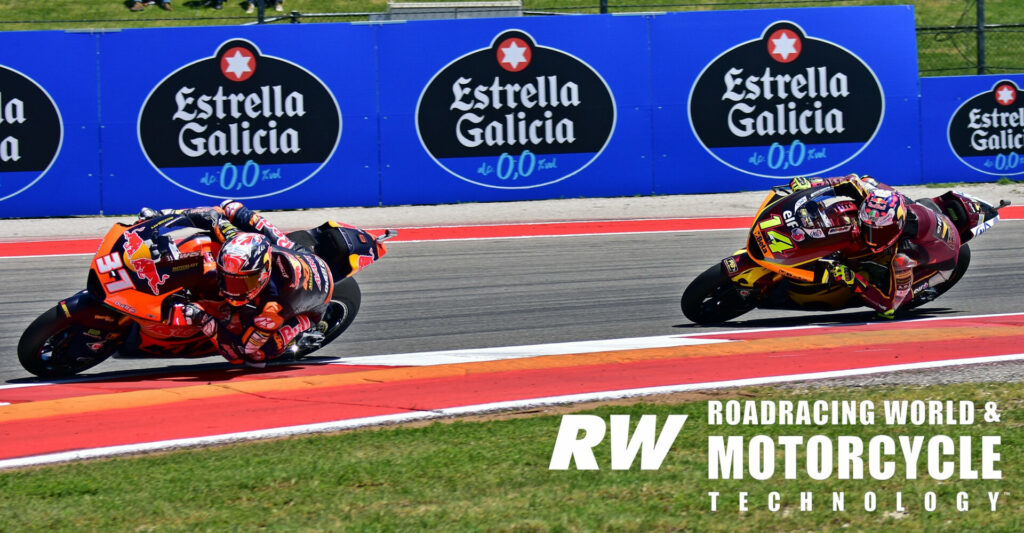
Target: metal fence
(956, 50)
(971, 45)
(975, 41)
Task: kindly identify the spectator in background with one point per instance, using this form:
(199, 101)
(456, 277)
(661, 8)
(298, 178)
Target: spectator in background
(250, 5)
(139, 6)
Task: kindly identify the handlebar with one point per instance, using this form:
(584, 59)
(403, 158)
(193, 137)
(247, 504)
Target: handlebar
(388, 233)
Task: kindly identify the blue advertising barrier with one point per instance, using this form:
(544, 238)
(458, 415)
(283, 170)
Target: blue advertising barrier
(973, 129)
(515, 109)
(49, 161)
(317, 115)
(279, 117)
(744, 101)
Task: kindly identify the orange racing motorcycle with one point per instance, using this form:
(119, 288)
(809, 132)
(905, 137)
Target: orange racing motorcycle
(791, 245)
(140, 271)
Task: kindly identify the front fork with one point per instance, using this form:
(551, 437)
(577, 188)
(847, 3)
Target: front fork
(752, 280)
(97, 319)
(747, 273)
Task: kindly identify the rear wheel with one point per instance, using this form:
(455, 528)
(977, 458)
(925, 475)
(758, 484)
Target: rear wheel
(712, 298)
(343, 308)
(340, 313)
(963, 261)
(53, 346)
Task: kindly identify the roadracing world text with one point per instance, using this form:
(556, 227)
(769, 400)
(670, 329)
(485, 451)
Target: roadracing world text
(799, 444)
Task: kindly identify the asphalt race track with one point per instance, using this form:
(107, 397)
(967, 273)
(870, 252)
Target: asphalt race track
(480, 293)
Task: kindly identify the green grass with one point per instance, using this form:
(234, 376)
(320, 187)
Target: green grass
(493, 476)
(79, 13)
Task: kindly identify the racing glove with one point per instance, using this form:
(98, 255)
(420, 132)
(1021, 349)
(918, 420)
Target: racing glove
(190, 314)
(221, 226)
(838, 272)
(799, 183)
(223, 230)
(841, 273)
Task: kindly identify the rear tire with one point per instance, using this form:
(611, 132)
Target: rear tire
(348, 296)
(340, 313)
(712, 298)
(53, 347)
(963, 261)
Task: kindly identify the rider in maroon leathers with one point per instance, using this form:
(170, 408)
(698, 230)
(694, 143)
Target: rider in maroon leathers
(911, 242)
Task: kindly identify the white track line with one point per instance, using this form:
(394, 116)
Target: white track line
(476, 355)
(339, 425)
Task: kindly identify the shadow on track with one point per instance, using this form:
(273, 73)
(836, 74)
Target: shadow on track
(193, 373)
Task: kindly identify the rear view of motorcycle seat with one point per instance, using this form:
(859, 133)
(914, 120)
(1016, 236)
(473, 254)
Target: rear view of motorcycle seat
(328, 243)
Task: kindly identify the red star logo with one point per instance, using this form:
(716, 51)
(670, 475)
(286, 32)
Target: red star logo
(784, 45)
(238, 64)
(514, 54)
(1006, 94)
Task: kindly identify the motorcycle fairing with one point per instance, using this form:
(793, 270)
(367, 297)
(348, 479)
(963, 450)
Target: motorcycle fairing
(346, 249)
(791, 232)
(138, 266)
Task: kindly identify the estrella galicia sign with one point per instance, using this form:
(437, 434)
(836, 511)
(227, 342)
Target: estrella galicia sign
(786, 104)
(31, 132)
(239, 124)
(987, 131)
(515, 115)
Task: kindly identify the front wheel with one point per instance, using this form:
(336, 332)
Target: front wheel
(53, 346)
(712, 298)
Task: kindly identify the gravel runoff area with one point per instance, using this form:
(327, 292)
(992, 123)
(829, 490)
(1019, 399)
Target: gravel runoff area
(576, 209)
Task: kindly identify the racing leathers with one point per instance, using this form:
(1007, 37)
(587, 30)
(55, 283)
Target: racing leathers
(884, 279)
(293, 300)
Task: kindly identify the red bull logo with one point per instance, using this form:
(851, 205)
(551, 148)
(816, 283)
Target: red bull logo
(142, 263)
(288, 333)
(359, 262)
(365, 261)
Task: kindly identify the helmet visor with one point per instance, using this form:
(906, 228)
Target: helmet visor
(880, 237)
(239, 286)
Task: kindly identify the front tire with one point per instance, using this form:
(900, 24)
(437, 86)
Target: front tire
(53, 347)
(712, 298)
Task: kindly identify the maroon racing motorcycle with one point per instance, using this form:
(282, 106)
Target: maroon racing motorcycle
(788, 250)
